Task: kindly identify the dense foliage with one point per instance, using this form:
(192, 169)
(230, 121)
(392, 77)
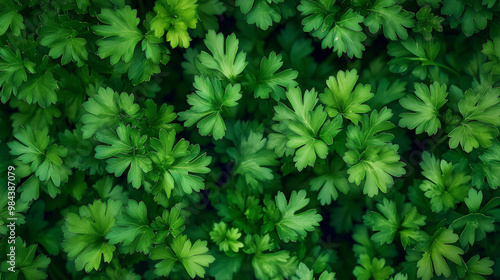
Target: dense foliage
(251, 139)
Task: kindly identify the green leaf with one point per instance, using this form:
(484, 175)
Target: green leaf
(435, 250)
(260, 12)
(175, 17)
(475, 268)
(46, 161)
(391, 16)
(132, 229)
(84, 234)
(303, 273)
(41, 90)
(473, 201)
(126, 149)
(492, 49)
(208, 104)
(106, 109)
(372, 269)
(253, 159)
(12, 72)
(427, 22)
(472, 16)
(193, 257)
(5, 213)
(268, 266)
(372, 131)
(159, 118)
(142, 69)
(414, 56)
(225, 267)
(392, 222)
(377, 165)
(60, 34)
(307, 127)
(10, 18)
(170, 223)
(80, 152)
(345, 36)
(120, 33)
(225, 61)
(267, 81)
(226, 238)
(425, 115)
(291, 226)
(371, 155)
(342, 98)
(387, 92)
(329, 180)
(475, 224)
(491, 165)
(27, 265)
(209, 12)
(177, 164)
(481, 116)
(445, 186)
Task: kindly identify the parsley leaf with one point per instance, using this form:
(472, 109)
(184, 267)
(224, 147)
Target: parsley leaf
(413, 55)
(208, 103)
(392, 222)
(425, 108)
(60, 34)
(268, 266)
(372, 269)
(260, 12)
(475, 267)
(84, 234)
(329, 180)
(46, 161)
(290, 225)
(175, 17)
(132, 229)
(227, 61)
(490, 165)
(13, 72)
(27, 265)
(193, 257)
(126, 149)
(307, 126)
(492, 49)
(472, 16)
(267, 81)
(342, 98)
(106, 109)
(427, 22)
(481, 116)
(370, 153)
(176, 165)
(475, 225)
(303, 273)
(40, 89)
(120, 33)
(344, 35)
(391, 16)
(10, 18)
(435, 249)
(444, 186)
(253, 160)
(226, 238)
